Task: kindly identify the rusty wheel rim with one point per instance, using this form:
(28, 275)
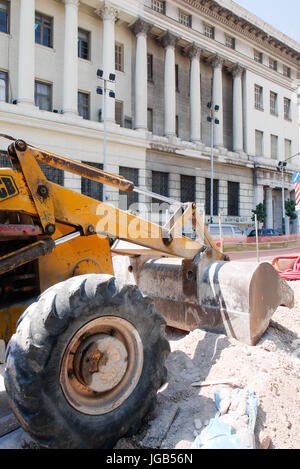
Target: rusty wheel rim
(101, 365)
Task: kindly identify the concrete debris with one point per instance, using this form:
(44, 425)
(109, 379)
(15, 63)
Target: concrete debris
(198, 424)
(159, 428)
(8, 423)
(124, 443)
(266, 443)
(233, 425)
(224, 405)
(2, 351)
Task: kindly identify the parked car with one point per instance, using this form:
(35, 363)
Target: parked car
(228, 231)
(263, 233)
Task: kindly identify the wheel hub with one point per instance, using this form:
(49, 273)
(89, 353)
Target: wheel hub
(102, 365)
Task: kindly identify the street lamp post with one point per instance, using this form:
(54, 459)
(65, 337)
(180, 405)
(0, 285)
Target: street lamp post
(103, 91)
(211, 118)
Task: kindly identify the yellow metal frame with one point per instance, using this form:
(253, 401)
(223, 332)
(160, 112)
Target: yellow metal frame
(61, 211)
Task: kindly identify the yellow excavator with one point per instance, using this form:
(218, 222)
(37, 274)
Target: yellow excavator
(86, 291)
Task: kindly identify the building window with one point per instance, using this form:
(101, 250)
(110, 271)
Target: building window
(5, 162)
(160, 185)
(259, 137)
(177, 126)
(150, 67)
(233, 199)
(215, 197)
(92, 188)
(273, 103)
(273, 64)
(4, 16)
(43, 96)
(119, 57)
(150, 119)
(258, 56)
(258, 97)
(119, 112)
(53, 174)
(3, 86)
(230, 42)
(287, 148)
(187, 188)
(159, 6)
(177, 77)
(287, 108)
(274, 147)
(43, 30)
(83, 44)
(209, 31)
(185, 19)
(84, 104)
(128, 200)
(286, 71)
(128, 122)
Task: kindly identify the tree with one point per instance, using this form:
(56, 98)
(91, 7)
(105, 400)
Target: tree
(260, 211)
(290, 209)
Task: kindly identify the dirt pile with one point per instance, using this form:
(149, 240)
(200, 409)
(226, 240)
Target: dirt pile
(271, 370)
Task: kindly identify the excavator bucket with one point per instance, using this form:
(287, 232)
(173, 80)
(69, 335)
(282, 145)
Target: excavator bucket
(235, 298)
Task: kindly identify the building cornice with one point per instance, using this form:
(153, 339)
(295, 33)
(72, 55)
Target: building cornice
(161, 23)
(239, 20)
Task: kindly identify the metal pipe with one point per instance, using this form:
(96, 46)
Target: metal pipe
(212, 169)
(65, 239)
(158, 196)
(256, 236)
(104, 138)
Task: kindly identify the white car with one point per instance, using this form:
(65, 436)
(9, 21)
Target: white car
(228, 231)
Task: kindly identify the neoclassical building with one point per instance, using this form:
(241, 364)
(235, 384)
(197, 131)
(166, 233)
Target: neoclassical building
(169, 60)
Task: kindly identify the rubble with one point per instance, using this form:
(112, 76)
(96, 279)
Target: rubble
(271, 370)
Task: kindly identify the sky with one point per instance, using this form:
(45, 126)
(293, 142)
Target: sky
(283, 15)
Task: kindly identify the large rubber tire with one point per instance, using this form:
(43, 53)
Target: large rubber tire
(35, 354)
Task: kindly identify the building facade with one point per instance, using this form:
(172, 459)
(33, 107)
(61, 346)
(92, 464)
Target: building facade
(170, 59)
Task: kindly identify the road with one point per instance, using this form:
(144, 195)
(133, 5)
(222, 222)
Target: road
(265, 256)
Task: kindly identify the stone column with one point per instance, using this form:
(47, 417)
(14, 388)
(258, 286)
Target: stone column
(70, 97)
(238, 140)
(109, 15)
(174, 186)
(141, 29)
(258, 195)
(169, 42)
(195, 94)
(269, 208)
(26, 65)
(217, 98)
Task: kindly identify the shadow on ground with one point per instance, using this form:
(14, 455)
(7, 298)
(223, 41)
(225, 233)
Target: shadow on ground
(171, 424)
